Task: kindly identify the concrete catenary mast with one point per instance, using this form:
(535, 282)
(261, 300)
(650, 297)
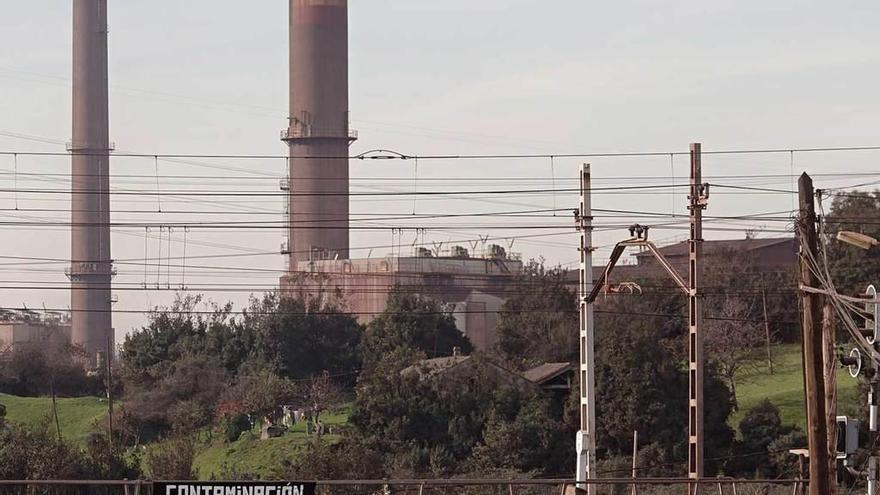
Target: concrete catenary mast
(91, 267)
(318, 131)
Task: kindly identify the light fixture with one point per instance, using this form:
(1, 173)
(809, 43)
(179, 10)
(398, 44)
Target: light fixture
(856, 239)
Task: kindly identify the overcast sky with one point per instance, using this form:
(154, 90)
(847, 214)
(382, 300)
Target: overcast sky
(450, 77)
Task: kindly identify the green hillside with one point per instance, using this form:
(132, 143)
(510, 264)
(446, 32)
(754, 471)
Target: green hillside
(77, 416)
(251, 455)
(785, 388)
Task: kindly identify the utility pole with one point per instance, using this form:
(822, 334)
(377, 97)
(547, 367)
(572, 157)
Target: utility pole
(817, 433)
(872, 333)
(586, 436)
(766, 326)
(109, 390)
(829, 358)
(697, 203)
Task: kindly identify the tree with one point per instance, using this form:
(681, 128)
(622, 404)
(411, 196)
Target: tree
(641, 384)
(539, 322)
(172, 460)
(42, 370)
(190, 355)
(182, 396)
(760, 428)
(415, 323)
(524, 439)
(454, 423)
(37, 453)
(320, 393)
(853, 268)
(732, 339)
(302, 337)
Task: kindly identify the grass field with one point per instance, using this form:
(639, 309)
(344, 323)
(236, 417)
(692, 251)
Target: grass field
(77, 416)
(251, 455)
(784, 388)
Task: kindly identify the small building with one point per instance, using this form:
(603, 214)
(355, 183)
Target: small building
(554, 378)
(551, 376)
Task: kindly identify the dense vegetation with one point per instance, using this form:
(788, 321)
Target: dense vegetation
(200, 373)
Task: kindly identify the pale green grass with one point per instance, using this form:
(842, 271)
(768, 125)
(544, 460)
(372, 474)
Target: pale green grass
(254, 456)
(785, 387)
(77, 416)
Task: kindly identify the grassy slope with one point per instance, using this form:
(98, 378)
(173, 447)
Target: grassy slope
(77, 416)
(251, 455)
(785, 387)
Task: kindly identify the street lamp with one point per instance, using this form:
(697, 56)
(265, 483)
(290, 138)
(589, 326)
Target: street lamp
(856, 239)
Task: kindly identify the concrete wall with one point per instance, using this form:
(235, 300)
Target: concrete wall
(475, 287)
(15, 334)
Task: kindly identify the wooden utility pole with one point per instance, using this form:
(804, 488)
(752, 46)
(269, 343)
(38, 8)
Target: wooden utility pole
(766, 327)
(697, 202)
(814, 369)
(586, 436)
(829, 359)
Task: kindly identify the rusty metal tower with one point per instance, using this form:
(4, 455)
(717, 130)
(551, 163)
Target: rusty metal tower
(91, 268)
(318, 133)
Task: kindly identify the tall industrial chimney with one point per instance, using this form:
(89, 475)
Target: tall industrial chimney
(318, 132)
(91, 267)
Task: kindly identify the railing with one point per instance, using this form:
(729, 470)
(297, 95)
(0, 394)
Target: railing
(609, 486)
(302, 131)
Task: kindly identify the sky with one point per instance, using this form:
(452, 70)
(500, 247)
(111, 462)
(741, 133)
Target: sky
(430, 78)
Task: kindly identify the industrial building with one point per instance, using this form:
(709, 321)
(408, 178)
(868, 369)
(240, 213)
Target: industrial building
(474, 288)
(317, 247)
(25, 328)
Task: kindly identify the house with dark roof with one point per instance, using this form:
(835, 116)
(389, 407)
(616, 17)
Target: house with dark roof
(776, 253)
(552, 377)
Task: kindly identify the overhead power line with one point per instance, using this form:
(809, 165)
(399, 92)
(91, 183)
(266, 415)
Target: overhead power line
(394, 155)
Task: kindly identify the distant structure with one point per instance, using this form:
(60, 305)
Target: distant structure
(773, 254)
(91, 267)
(21, 329)
(317, 247)
(770, 254)
(318, 131)
(474, 288)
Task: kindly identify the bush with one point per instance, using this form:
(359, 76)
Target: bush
(233, 425)
(172, 460)
(762, 449)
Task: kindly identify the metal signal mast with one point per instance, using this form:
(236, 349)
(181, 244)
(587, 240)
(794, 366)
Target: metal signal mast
(697, 201)
(586, 436)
